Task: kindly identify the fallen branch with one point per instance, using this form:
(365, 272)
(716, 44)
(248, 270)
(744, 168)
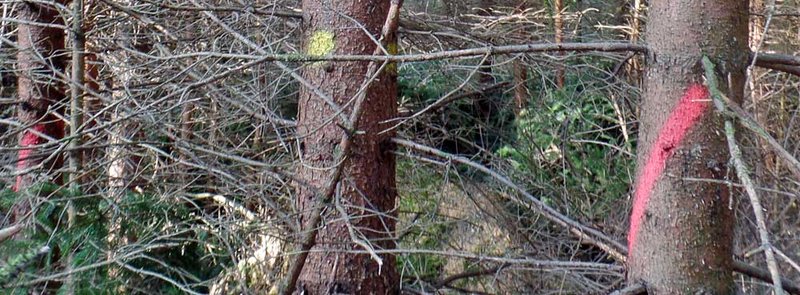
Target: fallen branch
(762, 275)
(779, 62)
(779, 59)
(593, 236)
(742, 173)
(9, 232)
(483, 91)
(748, 122)
(634, 289)
(222, 200)
(470, 274)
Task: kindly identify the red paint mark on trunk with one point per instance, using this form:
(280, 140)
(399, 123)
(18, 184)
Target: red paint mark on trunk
(683, 117)
(31, 138)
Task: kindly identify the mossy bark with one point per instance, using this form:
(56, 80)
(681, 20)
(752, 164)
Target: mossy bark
(684, 239)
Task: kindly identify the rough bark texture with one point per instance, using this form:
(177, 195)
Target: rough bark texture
(367, 191)
(681, 231)
(41, 94)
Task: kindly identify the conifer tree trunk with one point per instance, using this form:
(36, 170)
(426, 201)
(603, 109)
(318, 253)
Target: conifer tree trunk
(41, 93)
(680, 238)
(366, 193)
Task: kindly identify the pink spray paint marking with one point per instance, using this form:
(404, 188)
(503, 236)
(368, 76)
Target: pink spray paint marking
(683, 117)
(32, 139)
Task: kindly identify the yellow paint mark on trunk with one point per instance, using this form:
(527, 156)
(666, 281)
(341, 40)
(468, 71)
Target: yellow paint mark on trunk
(320, 43)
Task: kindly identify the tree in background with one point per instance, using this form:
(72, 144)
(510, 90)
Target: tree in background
(41, 59)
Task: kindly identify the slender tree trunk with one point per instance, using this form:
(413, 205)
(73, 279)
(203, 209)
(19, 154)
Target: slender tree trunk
(41, 94)
(558, 24)
(92, 103)
(366, 193)
(760, 110)
(123, 163)
(680, 238)
(634, 67)
(521, 95)
(76, 92)
(520, 72)
(485, 106)
(75, 121)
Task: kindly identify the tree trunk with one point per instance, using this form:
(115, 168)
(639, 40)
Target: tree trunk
(680, 238)
(41, 94)
(760, 110)
(521, 95)
(558, 24)
(634, 67)
(367, 190)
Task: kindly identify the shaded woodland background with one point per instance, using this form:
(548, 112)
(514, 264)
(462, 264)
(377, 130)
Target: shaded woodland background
(188, 149)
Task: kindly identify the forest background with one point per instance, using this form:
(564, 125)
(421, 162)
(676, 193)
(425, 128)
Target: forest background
(243, 147)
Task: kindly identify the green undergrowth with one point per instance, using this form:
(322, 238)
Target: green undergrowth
(158, 241)
(572, 150)
(422, 228)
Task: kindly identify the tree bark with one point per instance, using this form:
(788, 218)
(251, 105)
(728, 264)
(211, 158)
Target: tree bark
(558, 25)
(680, 238)
(521, 95)
(760, 109)
(41, 93)
(366, 194)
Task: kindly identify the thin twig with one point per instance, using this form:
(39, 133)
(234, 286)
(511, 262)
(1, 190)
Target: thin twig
(789, 260)
(476, 273)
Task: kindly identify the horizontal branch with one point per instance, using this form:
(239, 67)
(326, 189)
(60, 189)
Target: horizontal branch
(476, 273)
(779, 62)
(763, 275)
(774, 58)
(470, 52)
(794, 70)
(634, 289)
